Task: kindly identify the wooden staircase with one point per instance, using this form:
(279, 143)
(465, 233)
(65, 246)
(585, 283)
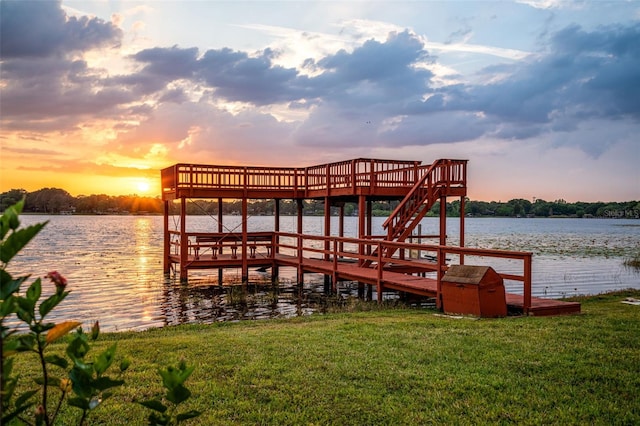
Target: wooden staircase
(442, 178)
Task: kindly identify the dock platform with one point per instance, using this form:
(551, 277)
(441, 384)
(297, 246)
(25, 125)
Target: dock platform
(383, 261)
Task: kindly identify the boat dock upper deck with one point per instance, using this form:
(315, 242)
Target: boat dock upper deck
(377, 179)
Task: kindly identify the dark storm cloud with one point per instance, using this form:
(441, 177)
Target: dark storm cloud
(373, 73)
(238, 77)
(376, 73)
(584, 75)
(43, 78)
(68, 87)
(42, 28)
(172, 63)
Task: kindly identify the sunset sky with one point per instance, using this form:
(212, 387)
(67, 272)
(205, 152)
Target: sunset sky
(541, 96)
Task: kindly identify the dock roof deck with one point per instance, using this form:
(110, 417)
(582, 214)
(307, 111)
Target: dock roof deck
(381, 179)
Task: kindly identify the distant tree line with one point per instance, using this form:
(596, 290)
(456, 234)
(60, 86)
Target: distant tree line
(57, 201)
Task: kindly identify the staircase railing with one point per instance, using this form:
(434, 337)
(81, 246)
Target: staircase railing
(435, 182)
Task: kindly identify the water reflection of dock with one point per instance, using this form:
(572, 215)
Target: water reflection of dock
(386, 263)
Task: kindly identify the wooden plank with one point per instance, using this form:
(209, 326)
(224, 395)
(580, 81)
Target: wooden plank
(542, 307)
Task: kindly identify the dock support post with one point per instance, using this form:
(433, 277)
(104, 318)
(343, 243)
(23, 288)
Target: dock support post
(462, 214)
(300, 242)
(275, 249)
(327, 234)
(341, 227)
(443, 221)
(220, 229)
(245, 265)
(184, 241)
(362, 205)
(166, 264)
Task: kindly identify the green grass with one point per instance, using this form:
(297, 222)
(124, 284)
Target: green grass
(395, 366)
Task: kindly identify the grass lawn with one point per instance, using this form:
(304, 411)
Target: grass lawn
(394, 367)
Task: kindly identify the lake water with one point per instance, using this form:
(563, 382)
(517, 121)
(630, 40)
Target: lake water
(114, 265)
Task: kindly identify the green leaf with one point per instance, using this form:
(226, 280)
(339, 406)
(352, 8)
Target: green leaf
(34, 291)
(6, 418)
(9, 219)
(17, 240)
(104, 360)
(104, 383)
(57, 360)
(8, 306)
(188, 415)
(51, 302)
(155, 405)
(26, 342)
(81, 382)
(81, 403)
(25, 309)
(78, 346)
(178, 394)
(124, 364)
(158, 420)
(25, 396)
(9, 387)
(40, 328)
(7, 366)
(9, 347)
(172, 377)
(51, 381)
(8, 285)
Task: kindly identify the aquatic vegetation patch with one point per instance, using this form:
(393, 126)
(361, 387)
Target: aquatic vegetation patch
(569, 245)
(633, 261)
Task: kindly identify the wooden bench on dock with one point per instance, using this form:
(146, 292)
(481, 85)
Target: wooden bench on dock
(217, 242)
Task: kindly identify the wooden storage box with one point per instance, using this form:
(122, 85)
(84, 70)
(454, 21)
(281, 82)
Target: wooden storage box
(473, 290)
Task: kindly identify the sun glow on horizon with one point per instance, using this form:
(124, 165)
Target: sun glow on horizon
(143, 186)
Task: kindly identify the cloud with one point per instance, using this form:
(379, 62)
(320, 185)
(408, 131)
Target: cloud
(39, 29)
(372, 93)
(583, 76)
(545, 4)
(45, 79)
(171, 63)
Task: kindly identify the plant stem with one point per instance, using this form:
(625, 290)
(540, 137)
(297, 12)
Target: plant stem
(1, 366)
(84, 416)
(55, 413)
(25, 421)
(45, 377)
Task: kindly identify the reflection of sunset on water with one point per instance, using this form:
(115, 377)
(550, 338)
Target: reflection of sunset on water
(114, 266)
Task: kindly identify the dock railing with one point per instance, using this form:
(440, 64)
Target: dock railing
(340, 175)
(337, 250)
(341, 249)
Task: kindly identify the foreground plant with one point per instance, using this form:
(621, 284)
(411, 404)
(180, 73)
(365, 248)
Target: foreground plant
(173, 380)
(84, 384)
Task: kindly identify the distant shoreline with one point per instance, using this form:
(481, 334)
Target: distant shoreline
(335, 215)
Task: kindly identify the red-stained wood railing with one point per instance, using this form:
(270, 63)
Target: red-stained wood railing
(346, 174)
(309, 246)
(298, 247)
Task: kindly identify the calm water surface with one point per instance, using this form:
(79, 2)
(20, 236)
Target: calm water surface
(114, 265)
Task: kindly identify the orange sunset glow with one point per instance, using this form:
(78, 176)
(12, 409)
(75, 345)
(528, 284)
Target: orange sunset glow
(106, 94)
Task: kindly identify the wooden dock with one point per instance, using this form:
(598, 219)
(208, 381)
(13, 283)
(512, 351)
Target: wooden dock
(383, 262)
